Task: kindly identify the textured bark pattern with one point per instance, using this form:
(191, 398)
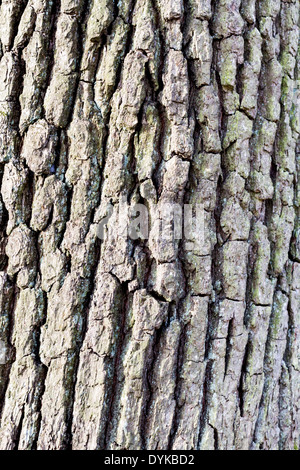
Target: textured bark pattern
(126, 344)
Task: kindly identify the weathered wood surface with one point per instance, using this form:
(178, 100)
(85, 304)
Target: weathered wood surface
(128, 344)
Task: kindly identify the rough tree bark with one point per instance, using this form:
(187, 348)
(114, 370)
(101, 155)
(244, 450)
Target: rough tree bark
(126, 344)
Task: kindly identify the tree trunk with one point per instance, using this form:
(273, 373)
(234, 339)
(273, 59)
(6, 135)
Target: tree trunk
(149, 343)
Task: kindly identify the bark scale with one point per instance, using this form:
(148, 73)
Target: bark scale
(132, 344)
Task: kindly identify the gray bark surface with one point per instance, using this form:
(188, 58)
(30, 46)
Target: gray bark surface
(137, 344)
